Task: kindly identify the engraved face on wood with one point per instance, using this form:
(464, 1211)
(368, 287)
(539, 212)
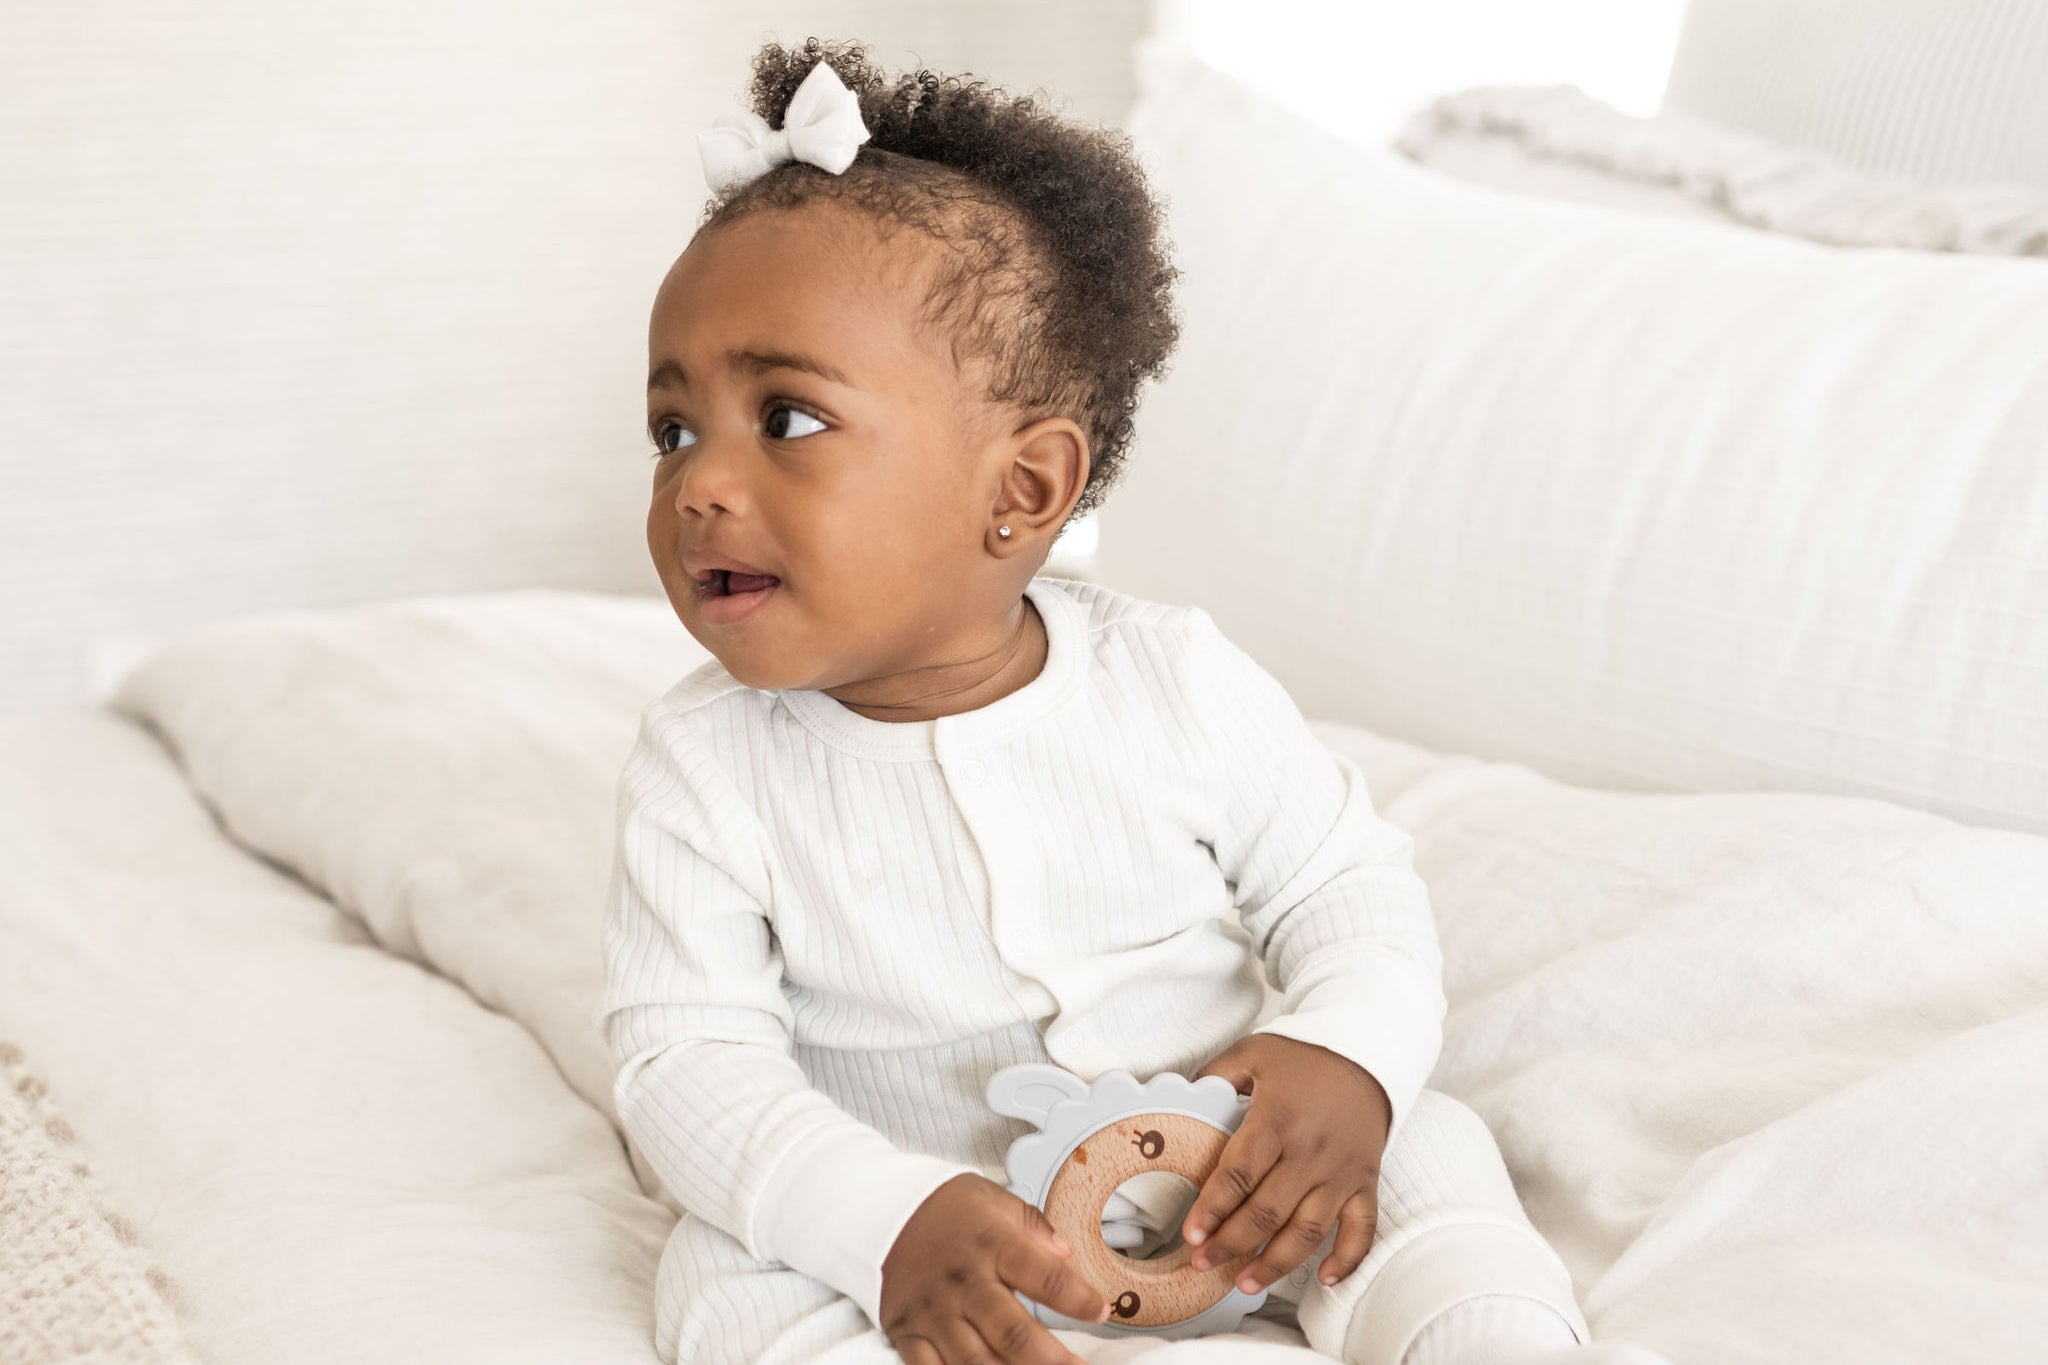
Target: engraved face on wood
(1163, 1289)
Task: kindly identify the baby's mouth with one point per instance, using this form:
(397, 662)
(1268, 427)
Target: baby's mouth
(728, 583)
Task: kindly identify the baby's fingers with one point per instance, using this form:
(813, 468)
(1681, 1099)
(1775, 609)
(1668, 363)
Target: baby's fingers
(962, 1343)
(1358, 1220)
(1311, 1221)
(1251, 1152)
(1046, 1277)
(1262, 1216)
(1018, 1338)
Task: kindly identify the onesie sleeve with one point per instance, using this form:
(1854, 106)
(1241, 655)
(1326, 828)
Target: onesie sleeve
(1325, 888)
(708, 1087)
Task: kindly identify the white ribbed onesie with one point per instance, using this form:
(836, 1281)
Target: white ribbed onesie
(826, 932)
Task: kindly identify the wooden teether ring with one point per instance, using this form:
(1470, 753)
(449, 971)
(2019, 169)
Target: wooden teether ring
(1091, 1138)
(1161, 1289)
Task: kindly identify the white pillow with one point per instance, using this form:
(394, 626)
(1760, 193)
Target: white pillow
(1638, 501)
(1558, 140)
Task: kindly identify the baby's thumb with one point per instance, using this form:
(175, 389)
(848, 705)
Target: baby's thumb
(1039, 1226)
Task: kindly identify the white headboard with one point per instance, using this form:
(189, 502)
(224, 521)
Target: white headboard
(1945, 92)
(314, 303)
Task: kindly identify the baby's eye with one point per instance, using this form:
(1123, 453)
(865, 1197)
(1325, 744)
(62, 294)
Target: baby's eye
(661, 434)
(788, 423)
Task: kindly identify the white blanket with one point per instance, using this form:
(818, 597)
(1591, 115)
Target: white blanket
(1765, 1067)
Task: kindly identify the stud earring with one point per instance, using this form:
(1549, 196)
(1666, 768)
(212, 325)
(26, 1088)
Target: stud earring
(1002, 530)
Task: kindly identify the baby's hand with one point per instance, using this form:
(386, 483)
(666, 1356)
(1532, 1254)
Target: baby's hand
(947, 1281)
(1306, 1156)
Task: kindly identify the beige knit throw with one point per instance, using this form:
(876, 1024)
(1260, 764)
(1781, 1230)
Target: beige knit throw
(74, 1284)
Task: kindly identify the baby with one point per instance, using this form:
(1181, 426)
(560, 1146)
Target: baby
(928, 814)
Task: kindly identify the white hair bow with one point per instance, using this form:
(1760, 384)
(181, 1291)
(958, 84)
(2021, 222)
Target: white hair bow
(821, 126)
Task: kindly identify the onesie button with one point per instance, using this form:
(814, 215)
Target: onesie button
(973, 771)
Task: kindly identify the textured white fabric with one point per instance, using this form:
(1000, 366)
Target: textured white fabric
(73, 1283)
(1508, 1330)
(1944, 91)
(1558, 140)
(1458, 1335)
(826, 931)
(1644, 502)
(1762, 1065)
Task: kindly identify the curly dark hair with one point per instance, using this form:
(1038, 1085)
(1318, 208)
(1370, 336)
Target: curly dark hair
(1058, 271)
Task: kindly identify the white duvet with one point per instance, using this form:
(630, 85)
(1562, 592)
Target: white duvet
(1767, 1069)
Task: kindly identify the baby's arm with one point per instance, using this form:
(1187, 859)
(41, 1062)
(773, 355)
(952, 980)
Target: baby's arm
(1333, 906)
(708, 1087)
(1326, 889)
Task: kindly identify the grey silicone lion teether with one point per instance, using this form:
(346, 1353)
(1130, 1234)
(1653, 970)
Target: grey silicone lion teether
(1091, 1139)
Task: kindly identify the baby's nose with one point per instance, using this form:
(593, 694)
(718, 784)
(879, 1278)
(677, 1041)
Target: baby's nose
(712, 478)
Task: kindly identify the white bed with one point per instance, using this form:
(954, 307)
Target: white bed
(302, 928)
(308, 956)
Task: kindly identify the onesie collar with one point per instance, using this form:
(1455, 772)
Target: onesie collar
(1065, 655)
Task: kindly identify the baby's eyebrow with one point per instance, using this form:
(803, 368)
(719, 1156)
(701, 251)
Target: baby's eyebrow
(784, 360)
(671, 372)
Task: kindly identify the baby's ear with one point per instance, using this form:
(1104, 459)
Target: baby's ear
(1047, 473)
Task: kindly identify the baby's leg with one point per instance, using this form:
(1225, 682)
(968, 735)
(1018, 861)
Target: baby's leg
(1451, 1232)
(716, 1304)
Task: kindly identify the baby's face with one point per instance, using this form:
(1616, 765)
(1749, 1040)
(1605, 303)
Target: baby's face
(812, 428)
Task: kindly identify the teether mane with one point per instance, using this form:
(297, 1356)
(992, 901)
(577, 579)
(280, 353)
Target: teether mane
(1091, 1139)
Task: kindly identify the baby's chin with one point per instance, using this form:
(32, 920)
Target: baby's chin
(759, 678)
(747, 665)
(756, 664)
